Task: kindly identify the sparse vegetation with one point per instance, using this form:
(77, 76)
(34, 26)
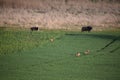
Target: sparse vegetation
(60, 14)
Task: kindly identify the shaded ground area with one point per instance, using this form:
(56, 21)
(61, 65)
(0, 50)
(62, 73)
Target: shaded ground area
(113, 39)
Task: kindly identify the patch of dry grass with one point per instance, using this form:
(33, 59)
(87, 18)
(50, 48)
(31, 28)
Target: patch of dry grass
(60, 14)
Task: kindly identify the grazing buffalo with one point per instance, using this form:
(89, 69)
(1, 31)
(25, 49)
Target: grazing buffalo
(34, 28)
(86, 28)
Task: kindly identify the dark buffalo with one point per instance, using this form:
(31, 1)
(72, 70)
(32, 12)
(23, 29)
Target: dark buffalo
(34, 28)
(86, 28)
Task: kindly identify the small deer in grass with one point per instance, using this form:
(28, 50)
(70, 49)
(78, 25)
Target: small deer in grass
(87, 52)
(51, 40)
(77, 54)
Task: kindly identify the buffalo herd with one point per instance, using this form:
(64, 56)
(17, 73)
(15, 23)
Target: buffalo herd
(85, 28)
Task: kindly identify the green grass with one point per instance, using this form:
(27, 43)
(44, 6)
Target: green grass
(56, 60)
(17, 40)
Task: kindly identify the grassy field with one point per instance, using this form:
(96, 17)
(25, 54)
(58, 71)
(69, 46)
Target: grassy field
(26, 55)
(13, 40)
